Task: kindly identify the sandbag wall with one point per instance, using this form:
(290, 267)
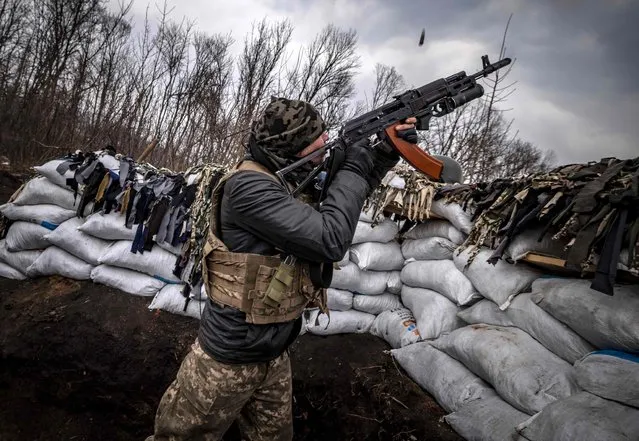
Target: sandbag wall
(508, 351)
(52, 233)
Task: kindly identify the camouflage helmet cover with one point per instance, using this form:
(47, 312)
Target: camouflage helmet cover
(287, 126)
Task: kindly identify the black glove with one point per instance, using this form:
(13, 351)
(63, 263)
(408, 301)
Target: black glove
(384, 158)
(359, 158)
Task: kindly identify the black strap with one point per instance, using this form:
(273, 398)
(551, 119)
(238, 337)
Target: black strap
(338, 154)
(321, 274)
(609, 257)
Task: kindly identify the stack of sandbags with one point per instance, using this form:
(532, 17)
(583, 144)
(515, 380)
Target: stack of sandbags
(365, 283)
(46, 238)
(433, 288)
(36, 209)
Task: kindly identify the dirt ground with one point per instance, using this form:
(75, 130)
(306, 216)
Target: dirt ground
(80, 362)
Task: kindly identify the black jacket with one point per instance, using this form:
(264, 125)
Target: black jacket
(258, 215)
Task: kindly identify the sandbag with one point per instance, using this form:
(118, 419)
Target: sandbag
(40, 191)
(500, 282)
(24, 236)
(158, 263)
(68, 238)
(9, 272)
(339, 300)
(341, 322)
(454, 213)
(345, 260)
(173, 249)
(48, 170)
(170, 299)
(523, 372)
(527, 241)
(430, 248)
(396, 326)
(445, 378)
(526, 315)
(610, 374)
(20, 260)
(441, 276)
(47, 215)
(583, 417)
(384, 231)
(56, 261)
(376, 304)
(131, 282)
(351, 278)
(607, 322)
(108, 227)
(376, 256)
(435, 314)
(435, 228)
(394, 283)
(491, 419)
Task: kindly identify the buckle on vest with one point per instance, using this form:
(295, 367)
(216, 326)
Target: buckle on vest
(281, 283)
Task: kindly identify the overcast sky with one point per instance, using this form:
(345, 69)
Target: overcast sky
(577, 93)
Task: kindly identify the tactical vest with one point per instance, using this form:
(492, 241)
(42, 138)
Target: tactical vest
(242, 280)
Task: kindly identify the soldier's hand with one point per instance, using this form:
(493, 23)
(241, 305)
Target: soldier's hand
(407, 130)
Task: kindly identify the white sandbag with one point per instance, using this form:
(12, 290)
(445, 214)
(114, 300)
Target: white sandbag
(486, 312)
(108, 227)
(430, 248)
(158, 263)
(436, 228)
(173, 249)
(339, 300)
(341, 322)
(526, 241)
(523, 372)
(500, 282)
(608, 322)
(198, 292)
(20, 260)
(583, 417)
(109, 161)
(491, 419)
(610, 374)
(56, 261)
(435, 314)
(9, 272)
(345, 260)
(441, 276)
(376, 256)
(170, 299)
(84, 246)
(351, 278)
(397, 327)
(126, 280)
(445, 378)
(40, 191)
(394, 283)
(26, 236)
(376, 304)
(526, 315)
(454, 213)
(48, 170)
(384, 231)
(47, 215)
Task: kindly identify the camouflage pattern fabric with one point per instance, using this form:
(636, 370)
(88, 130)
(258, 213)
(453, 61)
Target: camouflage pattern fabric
(286, 127)
(208, 396)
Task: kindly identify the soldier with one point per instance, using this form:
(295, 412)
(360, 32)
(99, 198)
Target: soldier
(239, 367)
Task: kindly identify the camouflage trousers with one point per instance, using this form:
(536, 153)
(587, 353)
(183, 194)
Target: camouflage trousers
(207, 396)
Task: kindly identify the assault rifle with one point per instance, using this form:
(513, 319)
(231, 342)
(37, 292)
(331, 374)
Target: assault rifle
(432, 100)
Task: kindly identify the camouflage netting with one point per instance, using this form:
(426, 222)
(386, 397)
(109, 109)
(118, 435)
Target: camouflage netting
(592, 209)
